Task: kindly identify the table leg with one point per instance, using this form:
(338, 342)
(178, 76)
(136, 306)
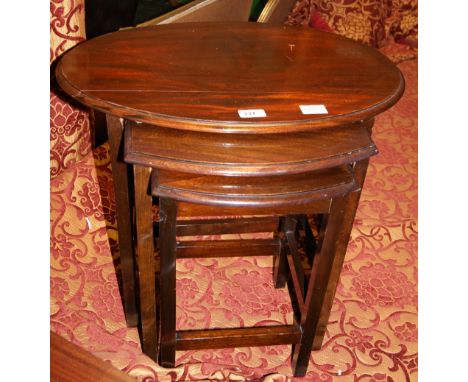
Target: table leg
(146, 261)
(122, 200)
(360, 171)
(167, 253)
(317, 286)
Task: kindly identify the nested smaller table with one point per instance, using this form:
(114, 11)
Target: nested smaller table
(285, 176)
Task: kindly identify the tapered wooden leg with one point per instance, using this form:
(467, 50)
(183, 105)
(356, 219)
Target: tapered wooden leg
(280, 261)
(146, 262)
(360, 170)
(317, 287)
(167, 253)
(120, 175)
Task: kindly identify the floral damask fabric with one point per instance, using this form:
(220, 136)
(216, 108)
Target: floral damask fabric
(70, 133)
(361, 20)
(373, 22)
(83, 284)
(399, 52)
(403, 22)
(300, 13)
(372, 334)
(67, 25)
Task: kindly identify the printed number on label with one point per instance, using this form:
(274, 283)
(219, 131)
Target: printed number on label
(252, 113)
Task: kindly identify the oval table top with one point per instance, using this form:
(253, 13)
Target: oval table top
(210, 76)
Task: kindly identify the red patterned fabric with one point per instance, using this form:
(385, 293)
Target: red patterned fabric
(67, 26)
(300, 13)
(70, 134)
(372, 334)
(316, 21)
(373, 22)
(361, 20)
(403, 22)
(399, 52)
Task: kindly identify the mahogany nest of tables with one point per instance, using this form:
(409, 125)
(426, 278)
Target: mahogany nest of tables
(218, 100)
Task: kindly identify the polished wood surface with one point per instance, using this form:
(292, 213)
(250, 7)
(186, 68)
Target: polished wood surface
(277, 192)
(120, 174)
(167, 282)
(285, 249)
(237, 337)
(145, 253)
(228, 248)
(197, 76)
(315, 295)
(347, 219)
(246, 154)
(70, 363)
(254, 191)
(196, 210)
(225, 226)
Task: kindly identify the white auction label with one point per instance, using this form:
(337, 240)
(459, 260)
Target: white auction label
(252, 113)
(313, 109)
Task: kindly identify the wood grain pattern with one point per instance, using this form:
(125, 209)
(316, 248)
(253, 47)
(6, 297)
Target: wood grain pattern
(167, 282)
(70, 363)
(246, 154)
(317, 288)
(253, 191)
(228, 248)
(145, 252)
(121, 178)
(196, 76)
(360, 170)
(237, 337)
(197, 210)
(225, 226)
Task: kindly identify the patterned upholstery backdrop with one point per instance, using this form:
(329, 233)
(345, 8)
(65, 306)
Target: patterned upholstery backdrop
(300, 13)
(361, 20)
(70, 133)
(403, 22)
(372, 22)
